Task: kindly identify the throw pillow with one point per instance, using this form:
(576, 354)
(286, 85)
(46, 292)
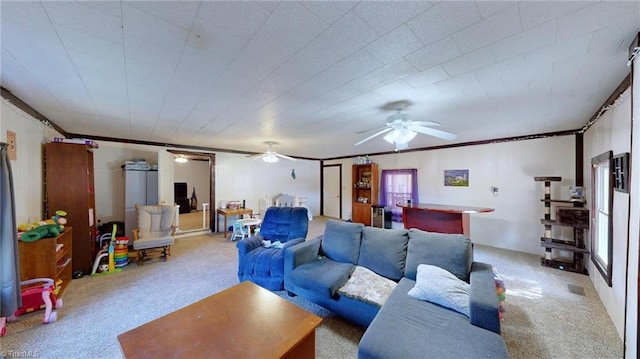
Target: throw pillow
(439, 286)
(367, 286)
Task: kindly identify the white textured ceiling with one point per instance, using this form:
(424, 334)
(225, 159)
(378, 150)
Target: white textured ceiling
(311, 75)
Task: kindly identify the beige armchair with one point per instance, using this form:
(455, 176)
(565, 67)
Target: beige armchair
(154, 232)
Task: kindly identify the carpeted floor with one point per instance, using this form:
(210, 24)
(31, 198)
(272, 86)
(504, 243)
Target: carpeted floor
(543, 319)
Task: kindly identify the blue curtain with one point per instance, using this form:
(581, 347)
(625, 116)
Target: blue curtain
(10, 299)
(389, 194)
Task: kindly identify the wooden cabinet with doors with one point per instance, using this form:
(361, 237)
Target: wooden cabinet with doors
(365, 192)
(69, 186)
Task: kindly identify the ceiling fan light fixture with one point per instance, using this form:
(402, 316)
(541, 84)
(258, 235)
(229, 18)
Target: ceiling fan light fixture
(397, 136)
(181, 159)
(270, 158)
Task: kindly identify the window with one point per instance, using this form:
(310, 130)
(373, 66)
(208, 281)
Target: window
(601, 217)
(398, 186)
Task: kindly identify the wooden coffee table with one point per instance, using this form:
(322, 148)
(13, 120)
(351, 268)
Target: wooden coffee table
(244, 321)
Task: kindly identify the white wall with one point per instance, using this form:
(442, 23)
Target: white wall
(611, 132)
(241, 178)
(27, 169)
(510, 166)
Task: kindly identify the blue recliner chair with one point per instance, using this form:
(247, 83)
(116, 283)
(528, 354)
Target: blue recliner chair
(265, 266)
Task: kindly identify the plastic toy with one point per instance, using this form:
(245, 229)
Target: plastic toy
(108, 252)
(36, 298)
(58, 218)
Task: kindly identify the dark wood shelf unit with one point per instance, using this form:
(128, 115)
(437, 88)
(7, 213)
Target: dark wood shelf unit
(365, 186)
(69, 186)
(574, 216)
(48, 258)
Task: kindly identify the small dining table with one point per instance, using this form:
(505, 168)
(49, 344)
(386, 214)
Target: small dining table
(250, 222)
(225, 212)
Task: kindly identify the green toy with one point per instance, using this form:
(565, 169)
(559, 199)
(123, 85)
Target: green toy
(45, 231)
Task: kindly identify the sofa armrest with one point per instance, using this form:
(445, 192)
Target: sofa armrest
(247, 245)
(483, 300)
(302, 253)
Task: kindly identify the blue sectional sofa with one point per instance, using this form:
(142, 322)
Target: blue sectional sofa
(398, 324)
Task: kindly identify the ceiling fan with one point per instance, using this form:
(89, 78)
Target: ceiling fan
(400, 130)
(271, 156)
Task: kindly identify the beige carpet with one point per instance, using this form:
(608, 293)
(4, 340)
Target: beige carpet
(543, 319)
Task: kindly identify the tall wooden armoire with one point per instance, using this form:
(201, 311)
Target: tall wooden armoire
(69, 186)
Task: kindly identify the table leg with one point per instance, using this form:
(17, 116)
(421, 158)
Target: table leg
(225, 225)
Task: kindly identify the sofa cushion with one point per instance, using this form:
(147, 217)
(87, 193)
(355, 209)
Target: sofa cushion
(341, 241)
(452, 252)
(439, 286)
(406, 327)
(384, 251)
(323, 276)
(367, 286)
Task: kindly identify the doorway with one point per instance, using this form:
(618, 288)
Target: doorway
(196, 173)
(332, 191)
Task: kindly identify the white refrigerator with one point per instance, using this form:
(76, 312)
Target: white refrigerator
(141, 188)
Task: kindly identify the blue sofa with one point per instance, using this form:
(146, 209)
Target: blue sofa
(402, 326)
(265, 266)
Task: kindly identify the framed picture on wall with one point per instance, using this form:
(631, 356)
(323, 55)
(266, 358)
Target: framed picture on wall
(456, 178)
(620, 164)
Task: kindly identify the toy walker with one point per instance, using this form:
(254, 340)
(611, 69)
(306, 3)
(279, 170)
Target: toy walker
(36, 298)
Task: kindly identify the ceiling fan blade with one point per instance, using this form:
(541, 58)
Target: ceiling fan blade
(285, 157)
(371, 129)
(426, 123)
(386, 129)
(256, 157)
(432, 132)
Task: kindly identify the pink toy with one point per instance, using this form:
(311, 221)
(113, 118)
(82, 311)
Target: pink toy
(36, 298)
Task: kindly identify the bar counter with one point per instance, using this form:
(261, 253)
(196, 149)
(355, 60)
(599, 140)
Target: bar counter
(440, 218)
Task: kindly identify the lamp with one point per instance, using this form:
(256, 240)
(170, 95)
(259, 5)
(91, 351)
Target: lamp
(270, 158)
(400, 135)
(181, 159)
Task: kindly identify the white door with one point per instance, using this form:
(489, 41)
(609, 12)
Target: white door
(331, 194)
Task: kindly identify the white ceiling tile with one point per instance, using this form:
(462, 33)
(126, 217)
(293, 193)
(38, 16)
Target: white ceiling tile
(434, 54)
(499, 26)
(346, 70)
(179, 13)
(27, 13)
(598, 16)
(469, 62)
(488, 8)
(526, 41)
(396, 44)
(329, 14)
(153, 55)
(395, 71)
(268, 49)
(534, 13)
(427, 77)
(100, 49)
(153, 30)
(223, 43)
(293, 23)
(347, 35)
(242, 18)
(516, 64)
(575, 47)
(384, 16)
(80, 17)
(444, 19)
